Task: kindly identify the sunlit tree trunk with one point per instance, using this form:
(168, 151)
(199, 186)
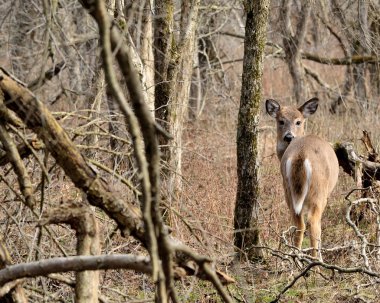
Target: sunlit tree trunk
(147, 55)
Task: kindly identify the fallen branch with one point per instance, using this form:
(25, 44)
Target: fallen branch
(77, 263)
(358, 233)
(348, 159)
(14, 289)
(19, 167)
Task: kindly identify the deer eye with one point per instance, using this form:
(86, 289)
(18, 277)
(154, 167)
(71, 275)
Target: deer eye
(281, 122)
(298, 123)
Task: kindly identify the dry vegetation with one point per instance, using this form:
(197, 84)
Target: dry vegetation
(208, 202)
(201, 215)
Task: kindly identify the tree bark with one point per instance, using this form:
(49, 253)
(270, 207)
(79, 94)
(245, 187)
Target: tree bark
(147, 54)
(358, 37)
(172, 87)
(374, 69)
(83, 221)
(246, 210)
(293, 45)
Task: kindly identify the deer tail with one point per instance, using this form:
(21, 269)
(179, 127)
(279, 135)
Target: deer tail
(298, 176)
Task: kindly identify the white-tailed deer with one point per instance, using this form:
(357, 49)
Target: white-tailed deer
(309, 168)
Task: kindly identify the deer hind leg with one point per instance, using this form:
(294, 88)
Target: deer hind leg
(300, 225)
(314, 220)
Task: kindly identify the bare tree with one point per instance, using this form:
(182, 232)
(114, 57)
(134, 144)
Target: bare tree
(292, 42)
(173, 67)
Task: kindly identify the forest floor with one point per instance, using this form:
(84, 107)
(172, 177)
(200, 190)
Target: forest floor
(208, 204)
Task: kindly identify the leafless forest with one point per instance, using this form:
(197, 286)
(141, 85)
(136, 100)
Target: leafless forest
(119, 159)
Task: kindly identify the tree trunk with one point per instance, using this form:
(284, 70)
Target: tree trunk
(196, 94)
(247, 198)
(359, 38)
(83, 221)
(293, 46)
(173, 86)
(94, 102)
(147, 56)
(374, 69)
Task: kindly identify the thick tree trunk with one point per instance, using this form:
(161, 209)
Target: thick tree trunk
(179, 108)
(247, 198)
(163, 48)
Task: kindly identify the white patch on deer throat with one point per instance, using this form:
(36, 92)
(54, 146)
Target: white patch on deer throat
(298, 201)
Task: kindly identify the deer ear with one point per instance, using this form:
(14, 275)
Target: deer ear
(309, 107)
(272, 107)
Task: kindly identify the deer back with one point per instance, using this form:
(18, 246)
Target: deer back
(309, 168)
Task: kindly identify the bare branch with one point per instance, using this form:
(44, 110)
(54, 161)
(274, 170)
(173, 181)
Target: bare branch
(355, 59)
(39, 119)
(18, 166)
(313, 264)
(362, 238)
(77, 263)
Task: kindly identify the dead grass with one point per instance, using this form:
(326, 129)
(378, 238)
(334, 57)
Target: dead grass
(204, 212)
(204, 217)
(208, 203)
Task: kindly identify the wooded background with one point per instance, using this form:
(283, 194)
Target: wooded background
(137, 164)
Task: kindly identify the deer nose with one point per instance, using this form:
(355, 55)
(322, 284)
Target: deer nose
(288, 137)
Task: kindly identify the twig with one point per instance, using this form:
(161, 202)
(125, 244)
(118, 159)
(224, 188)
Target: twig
(118, 176)
(300, 275)
(327, 266)
(31, 148)
(356, 229)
